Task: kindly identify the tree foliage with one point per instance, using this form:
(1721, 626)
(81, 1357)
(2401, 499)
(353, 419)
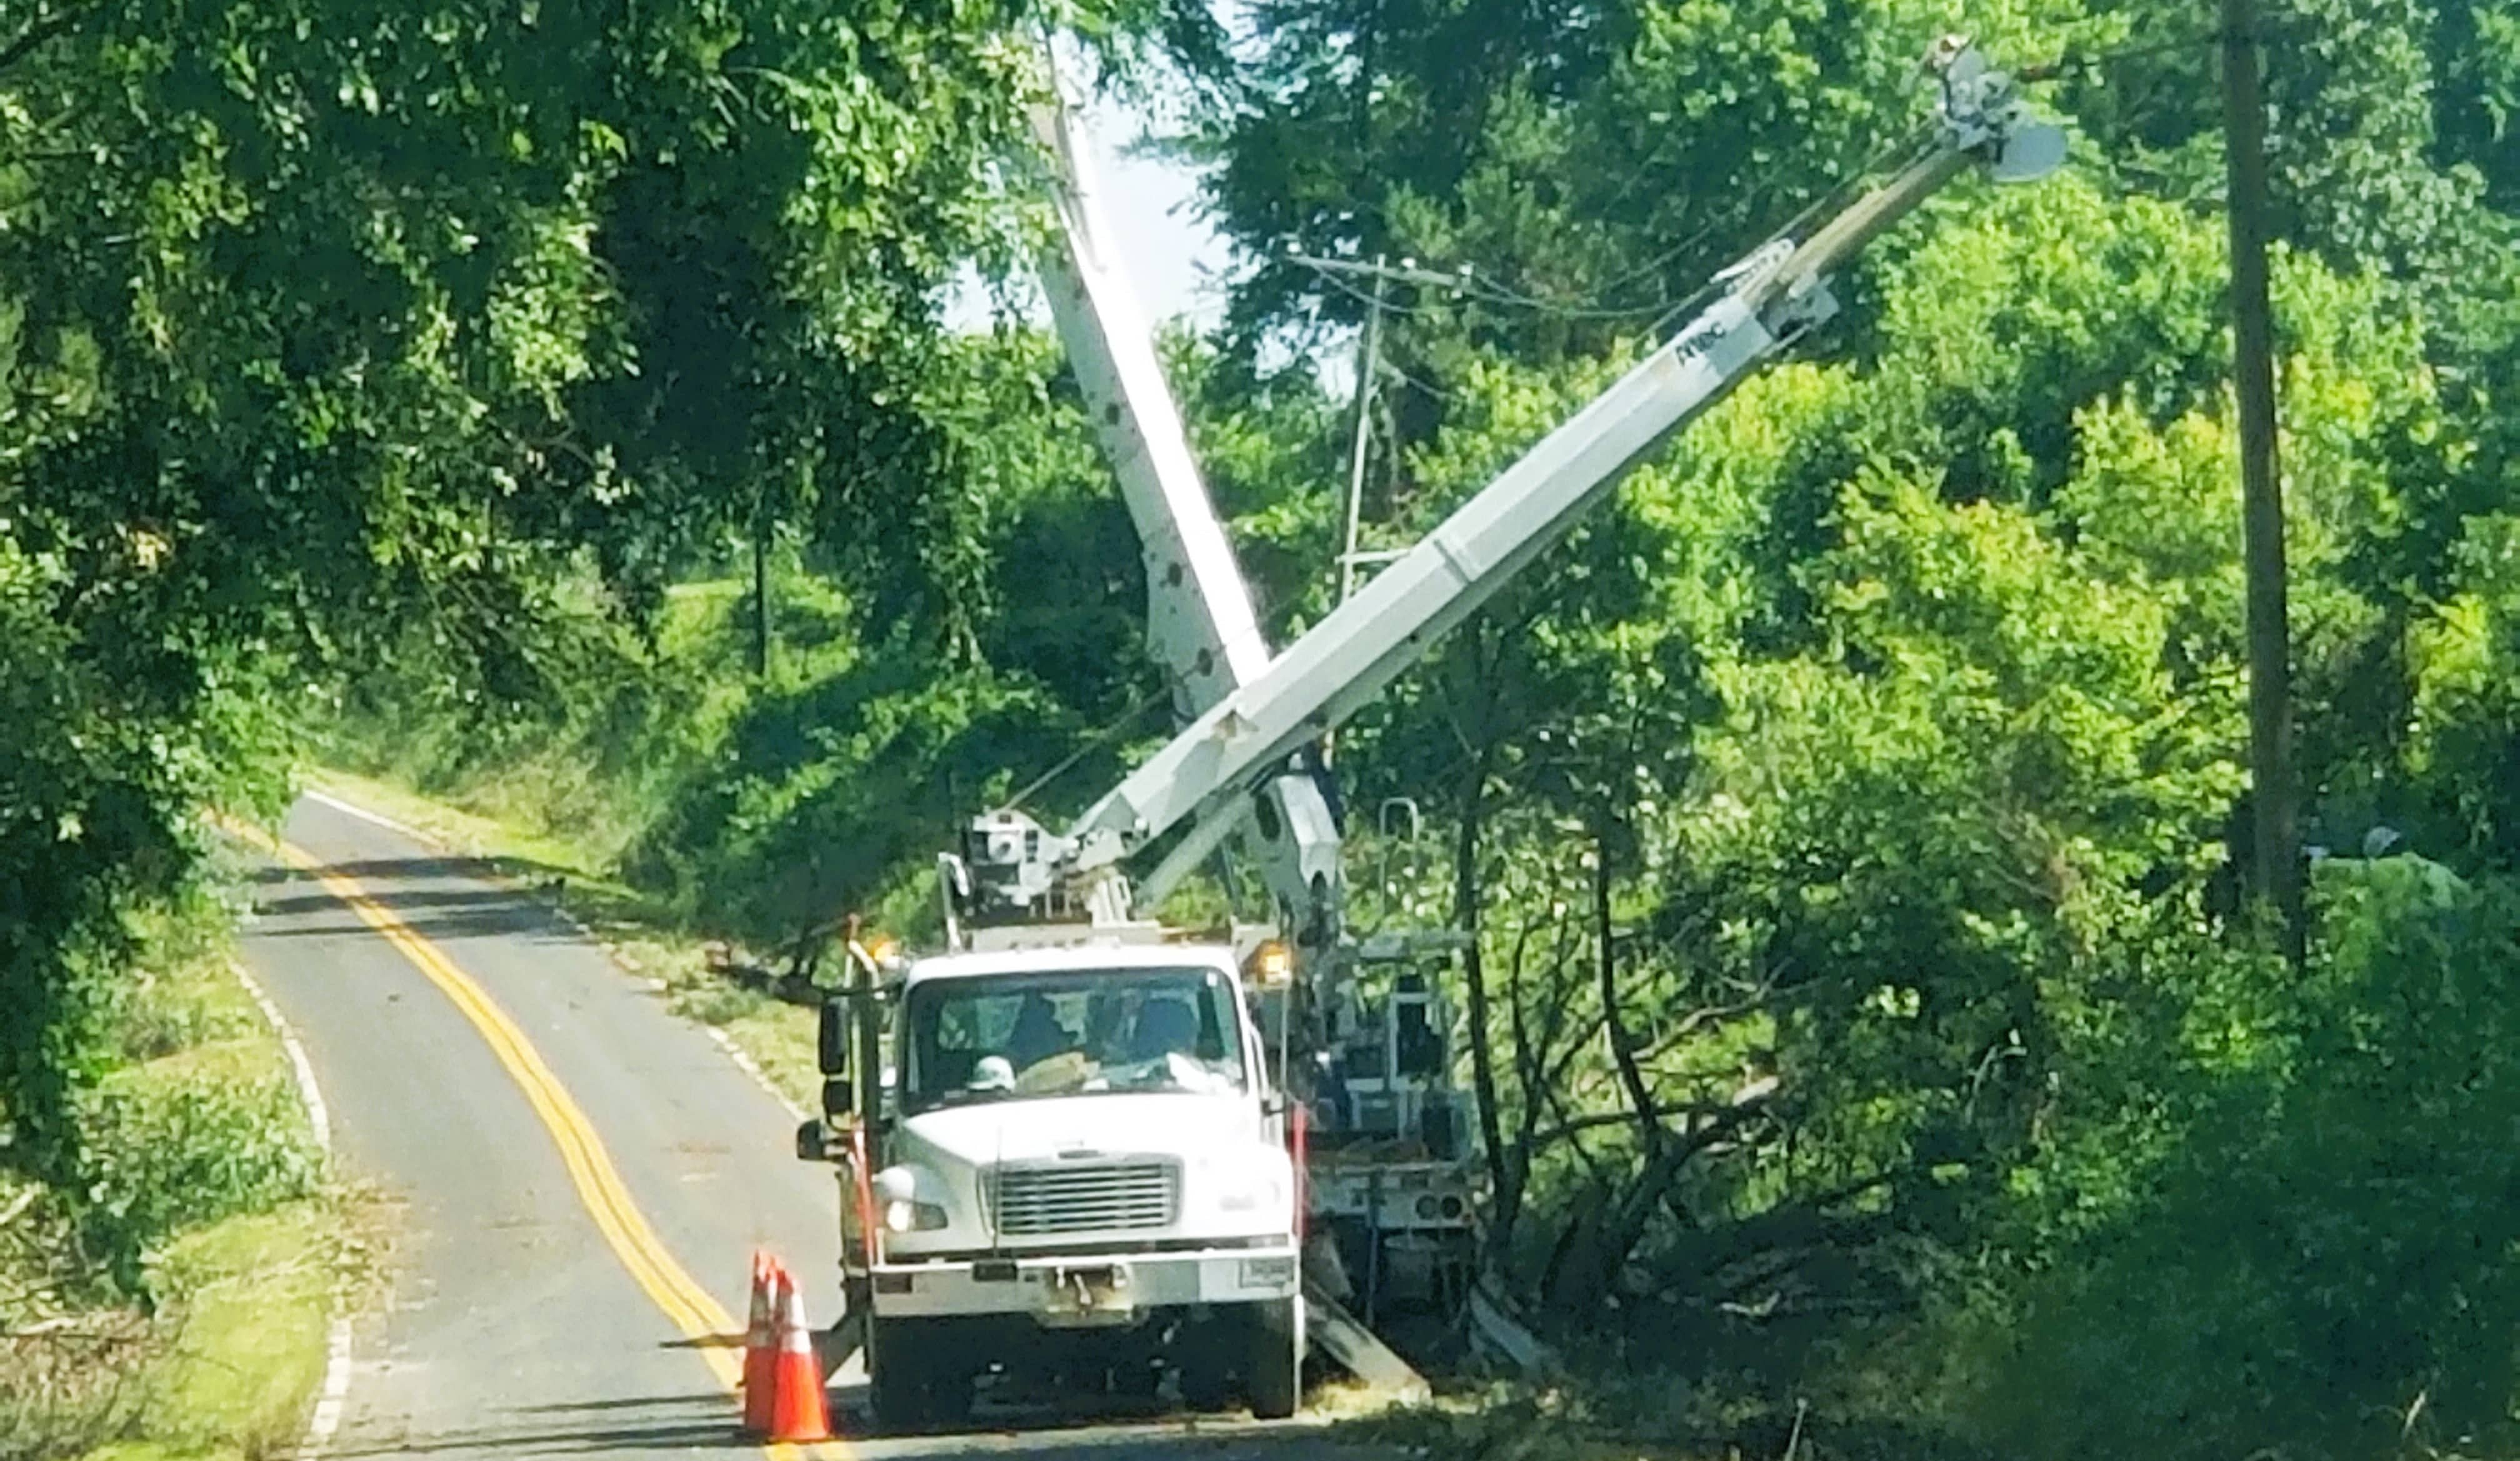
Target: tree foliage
(1844, 813)
(1892, 720)
(329, 333)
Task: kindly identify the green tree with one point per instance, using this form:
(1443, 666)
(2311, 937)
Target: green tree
(329, 333)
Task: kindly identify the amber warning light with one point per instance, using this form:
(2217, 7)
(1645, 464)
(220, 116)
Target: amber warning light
(1271, 963)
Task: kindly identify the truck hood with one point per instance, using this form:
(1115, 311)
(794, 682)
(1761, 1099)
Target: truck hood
(1234, 1181)
(1047, 1129)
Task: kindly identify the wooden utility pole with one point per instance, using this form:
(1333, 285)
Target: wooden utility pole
(2271, 794)
(1368, 363)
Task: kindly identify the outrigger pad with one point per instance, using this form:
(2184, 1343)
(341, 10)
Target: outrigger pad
(1335, 1332)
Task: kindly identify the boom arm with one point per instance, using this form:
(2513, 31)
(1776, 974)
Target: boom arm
(1200, 615)
(1343, 662)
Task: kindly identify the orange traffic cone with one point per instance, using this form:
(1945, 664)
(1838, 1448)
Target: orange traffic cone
(760, 1348)
(802, 1412)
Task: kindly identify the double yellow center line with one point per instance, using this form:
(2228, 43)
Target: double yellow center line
(590, 1167)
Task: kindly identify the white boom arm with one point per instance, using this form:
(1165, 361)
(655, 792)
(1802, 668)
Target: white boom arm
(1199, 618)
(1200, 615)
(1346, 659)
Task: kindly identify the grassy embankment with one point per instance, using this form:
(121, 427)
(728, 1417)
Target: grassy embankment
(214, 1346)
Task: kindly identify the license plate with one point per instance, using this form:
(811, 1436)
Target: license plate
(1268, 1273)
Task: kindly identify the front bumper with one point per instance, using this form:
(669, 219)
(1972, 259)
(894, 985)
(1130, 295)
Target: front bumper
(1081, 1291)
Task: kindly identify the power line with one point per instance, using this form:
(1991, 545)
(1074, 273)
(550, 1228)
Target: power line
(1468, 280)
(1428, 386)
(2073, 63)
(1092, 743)
(1360, 295)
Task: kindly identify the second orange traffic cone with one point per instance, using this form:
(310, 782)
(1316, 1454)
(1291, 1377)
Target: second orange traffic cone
(800, 1411)
(760, 1348)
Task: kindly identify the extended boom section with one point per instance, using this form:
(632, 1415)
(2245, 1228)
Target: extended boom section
(1340, 664)
(1347, 659)
(1199, 618)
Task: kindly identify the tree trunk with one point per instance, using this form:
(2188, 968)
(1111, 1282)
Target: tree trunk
(1623, 1051)
(760, 594)
(1616, 1224)
(1504, 1175)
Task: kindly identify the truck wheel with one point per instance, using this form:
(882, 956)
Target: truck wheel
(892, 1387)
(1207, 1370)
(1276, 1376)
(908, 1388)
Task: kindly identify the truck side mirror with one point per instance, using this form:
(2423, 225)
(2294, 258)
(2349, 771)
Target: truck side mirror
(809, 1142)
(831, 1038)
(840, 1098)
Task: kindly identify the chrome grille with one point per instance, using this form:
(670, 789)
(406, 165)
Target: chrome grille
(1032, 1199)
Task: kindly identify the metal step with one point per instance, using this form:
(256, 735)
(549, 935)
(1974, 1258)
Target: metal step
(1494, 1325)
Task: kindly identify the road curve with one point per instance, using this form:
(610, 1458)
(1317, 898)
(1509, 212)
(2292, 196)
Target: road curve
(579, 1179)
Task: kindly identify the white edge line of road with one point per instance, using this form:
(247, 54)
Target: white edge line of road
(329, 1400)
(750, 1066)
(364, 815)
(734, 1052)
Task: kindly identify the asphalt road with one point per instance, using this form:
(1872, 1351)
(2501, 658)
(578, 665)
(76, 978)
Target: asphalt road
(577, 1179)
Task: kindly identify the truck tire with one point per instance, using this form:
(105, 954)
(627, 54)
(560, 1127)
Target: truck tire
(1207, 1369)
(908, 1386)
(1276, 1376)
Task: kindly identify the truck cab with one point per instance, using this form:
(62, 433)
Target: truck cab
(1067, 1166)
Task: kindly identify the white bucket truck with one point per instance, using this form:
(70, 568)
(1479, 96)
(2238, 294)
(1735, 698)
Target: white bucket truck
(1066, 1148)
(1073, 1170)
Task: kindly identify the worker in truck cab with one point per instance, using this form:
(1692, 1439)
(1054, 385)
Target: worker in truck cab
(1165, 1027)
(1104, 1018)
(1037, 1035)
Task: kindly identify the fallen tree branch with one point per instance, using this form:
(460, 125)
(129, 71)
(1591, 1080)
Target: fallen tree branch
(1700, 1018)
(68, 1327)
(20, 1205)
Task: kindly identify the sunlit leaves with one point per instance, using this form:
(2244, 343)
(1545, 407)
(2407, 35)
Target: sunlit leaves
(333, 330)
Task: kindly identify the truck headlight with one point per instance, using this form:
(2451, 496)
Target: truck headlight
(913, 1216)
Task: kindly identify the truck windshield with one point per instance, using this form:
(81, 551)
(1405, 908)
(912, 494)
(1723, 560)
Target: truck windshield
(1078, 1032)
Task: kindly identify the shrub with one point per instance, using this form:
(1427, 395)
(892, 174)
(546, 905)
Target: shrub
(2328, 1259)
(832, 788)
(164, 1154)
(72, 1361)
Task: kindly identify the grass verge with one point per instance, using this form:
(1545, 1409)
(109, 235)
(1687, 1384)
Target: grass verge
(215, 1348)
(248, 1305)
(1517, 1427)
